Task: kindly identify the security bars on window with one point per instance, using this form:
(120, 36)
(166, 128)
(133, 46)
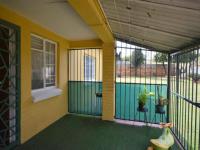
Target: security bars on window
(9, 85)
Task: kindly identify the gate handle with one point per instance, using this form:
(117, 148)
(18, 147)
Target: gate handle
(98, 94)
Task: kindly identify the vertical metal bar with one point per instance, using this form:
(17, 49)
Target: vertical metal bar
(84, 80)
(74, 81)
(171, 104)
(90, 54)
(150, 67)
(177, 91)
(135, 83)
(181, 101)
(168, 87)
(198, 97)
(191, 123)
(195, 138)
(100, 75)
(116, 70)
(125, 83)
(69, 78)
(156, 85)
(130, 84)
(140, 84)
(87, 86)
(121, 83)
(81, 99)
(184, 105)
(174, 90)
(190, 108)
(161, 89)
(146, 81)
(145, 67)
(77, 82)
(96, 112)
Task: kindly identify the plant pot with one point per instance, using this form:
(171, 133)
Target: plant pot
(142, 107)
(160, 109)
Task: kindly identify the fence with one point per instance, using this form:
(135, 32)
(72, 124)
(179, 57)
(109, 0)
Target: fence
(185, 98)
(138, 69)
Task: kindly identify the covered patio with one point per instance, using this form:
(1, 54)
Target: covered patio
(80, 132)
(99, 74)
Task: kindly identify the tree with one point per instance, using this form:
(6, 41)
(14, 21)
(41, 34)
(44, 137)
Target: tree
(137, 59)
(162, 58)
(185, 59)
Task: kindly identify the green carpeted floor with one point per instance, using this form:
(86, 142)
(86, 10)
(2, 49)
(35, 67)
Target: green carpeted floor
(86, 133)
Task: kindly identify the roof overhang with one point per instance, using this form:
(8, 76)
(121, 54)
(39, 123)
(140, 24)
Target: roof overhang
(161, 25)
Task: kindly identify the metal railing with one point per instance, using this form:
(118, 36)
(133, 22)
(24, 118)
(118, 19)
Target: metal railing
(185, 98)
(138, 69)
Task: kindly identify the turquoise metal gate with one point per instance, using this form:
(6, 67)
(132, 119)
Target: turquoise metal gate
(9, 84)
(85, 81)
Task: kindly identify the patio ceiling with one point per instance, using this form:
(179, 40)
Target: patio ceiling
(55, 15)
(164, 25)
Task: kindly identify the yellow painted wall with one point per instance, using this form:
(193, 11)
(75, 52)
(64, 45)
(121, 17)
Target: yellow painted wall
(37, 116)
(86, 44)
(108, 81)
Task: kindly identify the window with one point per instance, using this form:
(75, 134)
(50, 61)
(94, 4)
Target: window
(89, 67)
(43, 62)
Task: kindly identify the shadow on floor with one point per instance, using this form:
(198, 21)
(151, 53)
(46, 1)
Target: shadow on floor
(86, 133)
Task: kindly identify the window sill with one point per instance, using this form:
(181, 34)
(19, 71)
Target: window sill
(45, 94)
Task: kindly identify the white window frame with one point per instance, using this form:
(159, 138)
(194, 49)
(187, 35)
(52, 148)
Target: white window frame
(44, 60)
(92, 58)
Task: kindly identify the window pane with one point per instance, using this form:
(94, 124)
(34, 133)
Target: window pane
(50, 47)
(37, 70)
(50, 70)
(43, 63)
(50, 81)
(50, 59)
(89, 68)
(50, 64)
(36, 43)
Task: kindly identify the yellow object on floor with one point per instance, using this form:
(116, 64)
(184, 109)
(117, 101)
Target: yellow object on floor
(157, 146)
(165, 141)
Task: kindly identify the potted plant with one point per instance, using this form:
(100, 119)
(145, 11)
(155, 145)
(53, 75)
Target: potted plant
(161, 102)
(142, 99)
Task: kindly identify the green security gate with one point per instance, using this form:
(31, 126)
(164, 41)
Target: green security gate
(138, 69)
(9, 85)
(85, 81)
